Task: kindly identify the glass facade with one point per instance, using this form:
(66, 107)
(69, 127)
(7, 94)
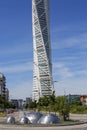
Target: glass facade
(42, 74)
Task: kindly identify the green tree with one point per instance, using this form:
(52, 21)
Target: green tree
(52, 99)
(76, 102)
(63, 107)
(43, 102)
(33, 105)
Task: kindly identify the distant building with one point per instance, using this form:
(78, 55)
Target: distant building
(2, 84)
(28, 100)
(83, 99)
(6, 94)
(18, 103)
(3, 90)
(14, 102)
(71, 98)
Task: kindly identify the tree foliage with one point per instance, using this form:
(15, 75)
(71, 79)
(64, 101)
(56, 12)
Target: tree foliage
(33, 105)
(4, 103)
(54, 104)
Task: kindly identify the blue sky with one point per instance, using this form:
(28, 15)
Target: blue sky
(68, 29)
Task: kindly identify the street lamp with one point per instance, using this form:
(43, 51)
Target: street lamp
(53, 86)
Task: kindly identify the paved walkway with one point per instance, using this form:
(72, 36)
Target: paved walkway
(81, 117)
(13, 127)
(18, 115)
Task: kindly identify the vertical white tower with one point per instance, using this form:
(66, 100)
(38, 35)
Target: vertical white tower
(42, 74)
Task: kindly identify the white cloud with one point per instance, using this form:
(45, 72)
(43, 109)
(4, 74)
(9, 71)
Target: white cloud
(70, 81)
(69, 58)
(21, 90)
(76, 27)
(16, 48)
(21, 67)
(79, 41)
(60, 70)
(14, 61)
(71, 86)
(82, 73)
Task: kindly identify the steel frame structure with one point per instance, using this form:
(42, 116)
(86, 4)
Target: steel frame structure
(42, 73)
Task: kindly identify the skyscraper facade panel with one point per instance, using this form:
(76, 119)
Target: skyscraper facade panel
(42, 74)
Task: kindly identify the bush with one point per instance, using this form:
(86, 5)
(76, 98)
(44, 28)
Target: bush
(78, 109)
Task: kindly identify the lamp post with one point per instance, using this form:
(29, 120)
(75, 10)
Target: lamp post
(53, 86)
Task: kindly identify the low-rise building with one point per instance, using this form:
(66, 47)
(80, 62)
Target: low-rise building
(72, 98)
(83, 99)
(28, 100)
(17, 103)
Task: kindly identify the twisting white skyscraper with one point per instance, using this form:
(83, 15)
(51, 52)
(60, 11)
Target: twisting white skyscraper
(42, 74)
